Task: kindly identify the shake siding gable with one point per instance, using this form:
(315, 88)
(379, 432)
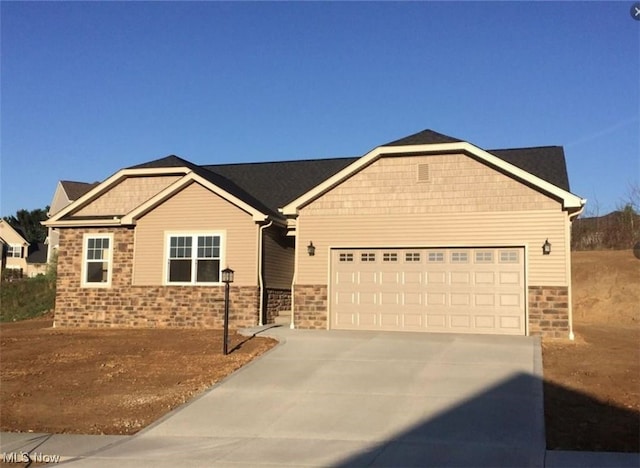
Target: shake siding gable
(464, 203)
(195, 209)
(127, 195)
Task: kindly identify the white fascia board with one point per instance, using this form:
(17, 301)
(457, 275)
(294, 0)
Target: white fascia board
(130, 217)
(106, 185)
(569, 200)
(115, 221)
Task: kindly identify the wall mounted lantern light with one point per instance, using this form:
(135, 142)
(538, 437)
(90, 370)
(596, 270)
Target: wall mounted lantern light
(311, 249)
(227, 277)
(546, 248)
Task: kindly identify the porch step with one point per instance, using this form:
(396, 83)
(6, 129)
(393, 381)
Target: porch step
(282, 319)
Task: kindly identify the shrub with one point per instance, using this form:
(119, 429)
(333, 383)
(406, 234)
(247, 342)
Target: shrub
(27, 298)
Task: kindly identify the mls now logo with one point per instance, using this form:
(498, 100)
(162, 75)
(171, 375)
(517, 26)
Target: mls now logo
(26, 457)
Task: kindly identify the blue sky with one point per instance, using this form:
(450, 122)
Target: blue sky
(90, 88)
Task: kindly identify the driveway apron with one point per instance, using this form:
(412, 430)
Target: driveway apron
(342, 399)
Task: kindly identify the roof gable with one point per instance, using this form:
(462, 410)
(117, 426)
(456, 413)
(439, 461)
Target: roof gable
(545, 162)
(75, 190)
(425, 137)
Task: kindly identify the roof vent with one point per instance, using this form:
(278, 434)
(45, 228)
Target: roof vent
(423, 172)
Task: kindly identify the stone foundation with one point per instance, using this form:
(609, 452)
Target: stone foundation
(124, 305)
(310, 306)
(549, 311)
(277, 302)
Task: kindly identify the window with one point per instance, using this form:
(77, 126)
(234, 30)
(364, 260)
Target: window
(346, 257)
(508, 256)
(485, 256)
(14, 251)
(389, 257)
(194, 259)
(97, 260)
(435, 257)
(459, 257)
(412, 257)
(367, 257)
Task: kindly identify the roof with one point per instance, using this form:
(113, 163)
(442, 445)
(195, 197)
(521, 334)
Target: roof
(268, 187)
(75, 190)
(277, 183)
(425, 137)
(546, 162)
(37, 253)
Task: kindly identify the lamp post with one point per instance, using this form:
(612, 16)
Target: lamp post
(227, 277)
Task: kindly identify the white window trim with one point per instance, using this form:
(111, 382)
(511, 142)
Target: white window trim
(11, 248)
(167, 248)
(85, 242)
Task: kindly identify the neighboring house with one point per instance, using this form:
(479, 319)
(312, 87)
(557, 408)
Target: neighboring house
(37, 259)
(426, 233)
(66, 192)
(15, 249)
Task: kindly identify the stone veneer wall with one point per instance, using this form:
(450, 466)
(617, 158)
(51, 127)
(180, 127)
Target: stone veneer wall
(549, 311)
(124, 305)
(310, 305)
(278, 302)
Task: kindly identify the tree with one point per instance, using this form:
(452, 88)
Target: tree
(29, 223)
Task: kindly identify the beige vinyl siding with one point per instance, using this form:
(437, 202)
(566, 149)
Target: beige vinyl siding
(463, 202)
(60, 200)
(127, 195)
(196, 209)
(456, 183)
(279, 252)
(523, 228)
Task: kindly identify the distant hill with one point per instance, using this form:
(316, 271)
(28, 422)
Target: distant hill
(617, 230)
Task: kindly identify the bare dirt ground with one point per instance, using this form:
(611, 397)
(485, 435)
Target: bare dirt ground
(592, 385)
(107, 381)
(119, 381)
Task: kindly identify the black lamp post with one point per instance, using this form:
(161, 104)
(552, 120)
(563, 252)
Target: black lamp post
(227, 277)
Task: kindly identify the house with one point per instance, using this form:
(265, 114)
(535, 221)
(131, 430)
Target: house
(14, 250)
(66, 192)
(426, 233)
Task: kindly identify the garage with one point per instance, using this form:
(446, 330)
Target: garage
(455, 290)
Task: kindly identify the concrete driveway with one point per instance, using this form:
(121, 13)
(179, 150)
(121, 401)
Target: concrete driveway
(341, 399)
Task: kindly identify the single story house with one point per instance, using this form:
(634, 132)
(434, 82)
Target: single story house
(426, 233)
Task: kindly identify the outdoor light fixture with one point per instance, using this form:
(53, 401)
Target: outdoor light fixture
(311, 249)
(227, 277)
(546, 248)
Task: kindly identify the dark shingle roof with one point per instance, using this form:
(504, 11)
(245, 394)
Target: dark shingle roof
(75, 190)
(278, 183)
(219, 180)
(37, 253)
(425, 137)
(546, 162)
(268, 186)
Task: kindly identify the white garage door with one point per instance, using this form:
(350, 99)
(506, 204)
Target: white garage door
(469, 290)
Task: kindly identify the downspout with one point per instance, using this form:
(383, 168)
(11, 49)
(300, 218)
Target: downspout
(260, 277)
(292, 325)
(572, 216)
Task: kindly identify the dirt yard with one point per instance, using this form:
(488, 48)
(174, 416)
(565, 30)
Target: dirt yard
(119, 381)
(108, 381)
(592, 385)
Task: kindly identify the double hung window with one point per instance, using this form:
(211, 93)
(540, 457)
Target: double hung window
(97, 260)
(193, 259)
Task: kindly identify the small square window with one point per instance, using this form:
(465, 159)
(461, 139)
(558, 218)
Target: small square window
(509, 256)
(484, 256)
(346, 257)
(412, 257)
(368, 257)
(389, 257)
(435, 257)
(459, 257)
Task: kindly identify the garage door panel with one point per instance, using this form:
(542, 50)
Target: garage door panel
(487, 322)
(462, 290)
